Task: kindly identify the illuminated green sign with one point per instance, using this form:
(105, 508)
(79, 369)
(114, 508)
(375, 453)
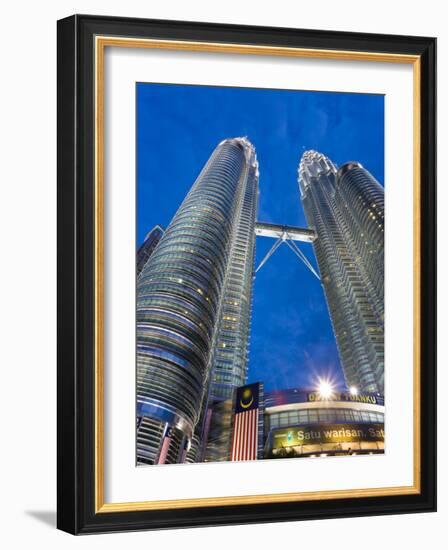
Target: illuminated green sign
(328, 433)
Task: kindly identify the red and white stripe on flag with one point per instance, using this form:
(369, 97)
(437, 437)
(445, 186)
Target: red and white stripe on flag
(164, 450)
(245, 436)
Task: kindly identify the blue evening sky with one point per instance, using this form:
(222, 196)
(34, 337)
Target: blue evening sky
(178, 127)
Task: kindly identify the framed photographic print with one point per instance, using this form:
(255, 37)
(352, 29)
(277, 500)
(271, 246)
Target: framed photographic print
(246, 274)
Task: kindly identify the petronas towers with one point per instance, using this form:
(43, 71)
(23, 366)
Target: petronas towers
(194, 291)
(193, 306)
(345, 207)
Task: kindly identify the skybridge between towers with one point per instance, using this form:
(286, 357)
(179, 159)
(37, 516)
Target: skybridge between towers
(286, 234)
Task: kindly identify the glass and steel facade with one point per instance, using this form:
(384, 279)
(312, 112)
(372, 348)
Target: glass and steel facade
(147, 247)
(345, 207)
(230, 357)
(290, 418)
(217, 440)
(184, 292)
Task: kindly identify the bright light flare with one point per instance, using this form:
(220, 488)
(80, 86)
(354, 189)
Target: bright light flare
(353, 390)
(325, 389)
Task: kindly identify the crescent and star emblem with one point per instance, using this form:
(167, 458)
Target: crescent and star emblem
(246, 404)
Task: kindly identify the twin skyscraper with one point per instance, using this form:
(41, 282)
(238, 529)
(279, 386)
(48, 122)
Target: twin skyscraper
(194, 291)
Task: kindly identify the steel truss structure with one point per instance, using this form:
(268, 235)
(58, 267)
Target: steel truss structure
(288, 235)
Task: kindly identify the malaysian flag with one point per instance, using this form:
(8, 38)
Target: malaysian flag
(245, 428)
